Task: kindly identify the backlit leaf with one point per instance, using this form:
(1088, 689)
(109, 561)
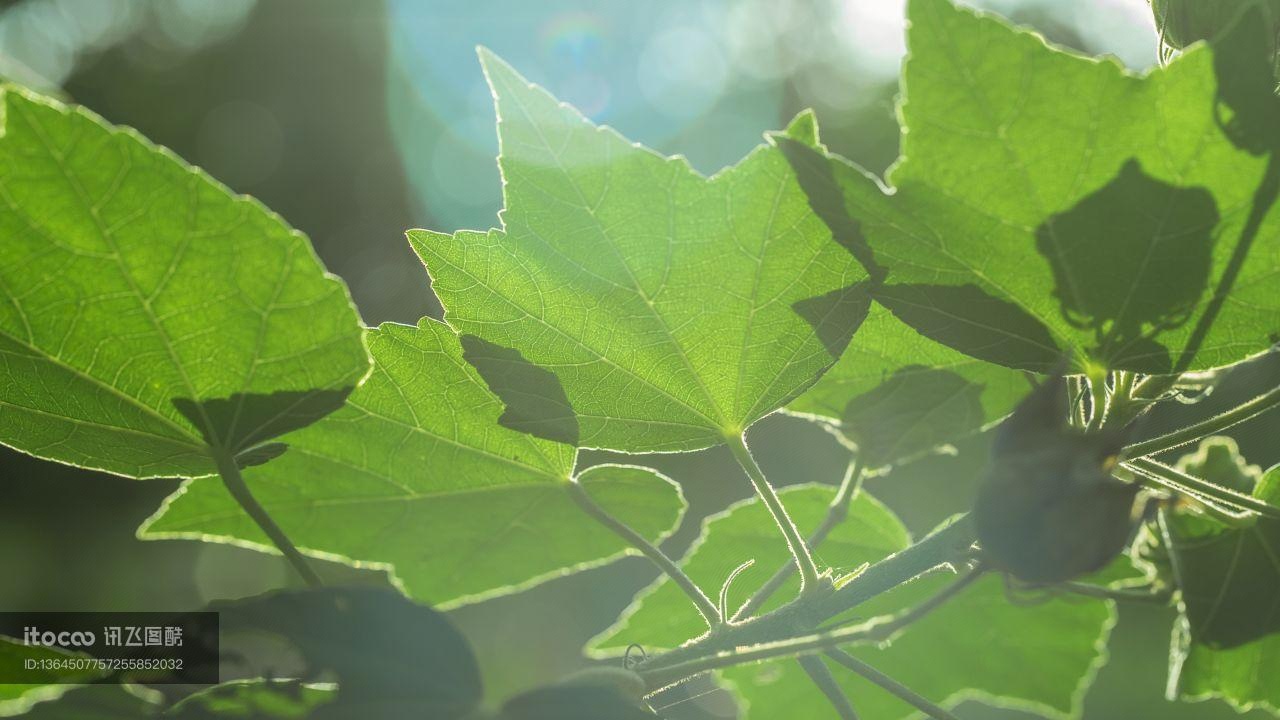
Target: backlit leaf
(674, 309)
(1227, 642)
(135, 291)
(1047, 202)
(421, 472)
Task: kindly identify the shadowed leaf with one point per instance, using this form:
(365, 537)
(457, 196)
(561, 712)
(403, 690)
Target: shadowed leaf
(420, 471)
(534, 399)
(914, 411)
(1028, 172)
(241, 422)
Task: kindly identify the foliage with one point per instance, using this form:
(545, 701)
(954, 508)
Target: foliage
(1063, 245)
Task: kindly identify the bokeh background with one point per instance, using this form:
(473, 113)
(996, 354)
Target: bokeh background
(358, 119)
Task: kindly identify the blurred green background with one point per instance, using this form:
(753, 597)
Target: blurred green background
(356, 120)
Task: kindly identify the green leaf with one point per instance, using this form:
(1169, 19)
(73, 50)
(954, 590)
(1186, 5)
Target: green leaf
(661, 617)
(46, 685)
(1040, 657)
(98, 702)
(134, 290)
(1047, 201)
(1227, 641)
(895, 393)
(420, 472)
(258, 699)
(674, 309)
(884, 372)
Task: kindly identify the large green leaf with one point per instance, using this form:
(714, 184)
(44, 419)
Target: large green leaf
(1047, 201)
(979, 645)
(674, 309)
(1227, 642)
(145, 311)
(420, 471)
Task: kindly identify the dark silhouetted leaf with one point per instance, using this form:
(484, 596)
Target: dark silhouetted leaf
(378, 645)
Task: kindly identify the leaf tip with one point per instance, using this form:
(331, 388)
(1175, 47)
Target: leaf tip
(803, 128)
(495, 69)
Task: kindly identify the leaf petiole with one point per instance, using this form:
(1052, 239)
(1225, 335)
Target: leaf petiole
(1175, 479)
(1153, 596)
(234, 482)
(1212, 426)
(893, 687)
(836, 514)
(821, 676)
(799, 548)
(705, 607)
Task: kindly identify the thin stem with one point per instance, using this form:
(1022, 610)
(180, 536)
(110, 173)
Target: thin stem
(235, 485)
(705, 606)
(1075, 390)
(1231, 515)
(836, 514)
(821, 676)
(1178, 480)
(1212, 426)
(1155, 596)
(893, 687)
(1151, 387)
(799, 549)
(657, 678)
(1098, 402)
(940, 548)
(1123, 387)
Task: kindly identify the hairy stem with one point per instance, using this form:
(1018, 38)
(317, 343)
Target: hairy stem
(821, 676)
(885, 630)
(836, 514)
(235, 485)
(893, 687)
(799, 549)
(805, 644)
(705, 606)
(944, 546)
(1212, 426)
(1177, 480)
(1154, 596)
